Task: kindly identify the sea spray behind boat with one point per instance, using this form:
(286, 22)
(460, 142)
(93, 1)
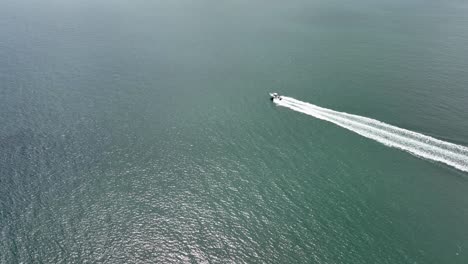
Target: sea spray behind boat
(415, 143)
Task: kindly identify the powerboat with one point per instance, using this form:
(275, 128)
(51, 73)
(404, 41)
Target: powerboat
(274, 96)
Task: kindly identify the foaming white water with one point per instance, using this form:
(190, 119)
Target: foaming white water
(410, 141)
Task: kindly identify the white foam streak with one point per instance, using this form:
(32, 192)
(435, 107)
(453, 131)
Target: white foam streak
(410, 141)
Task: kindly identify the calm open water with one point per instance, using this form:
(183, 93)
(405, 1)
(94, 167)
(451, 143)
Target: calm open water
(141, 131)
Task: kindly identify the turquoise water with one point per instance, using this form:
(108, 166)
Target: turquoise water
(141, 131)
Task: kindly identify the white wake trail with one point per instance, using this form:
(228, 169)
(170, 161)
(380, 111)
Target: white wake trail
(410, 141)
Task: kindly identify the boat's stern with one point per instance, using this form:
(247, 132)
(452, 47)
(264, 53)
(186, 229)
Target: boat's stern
(274, 96)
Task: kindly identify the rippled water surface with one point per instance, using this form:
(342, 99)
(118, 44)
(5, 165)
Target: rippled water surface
(141, 131)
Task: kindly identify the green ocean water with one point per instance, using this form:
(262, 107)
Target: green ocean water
(142, 131)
